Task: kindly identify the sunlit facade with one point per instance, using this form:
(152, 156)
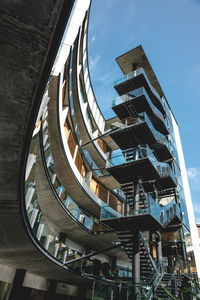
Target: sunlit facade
(107, 200)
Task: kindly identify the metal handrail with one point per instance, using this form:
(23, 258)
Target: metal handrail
(149, 255)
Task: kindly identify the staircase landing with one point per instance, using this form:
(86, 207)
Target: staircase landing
(137, 222)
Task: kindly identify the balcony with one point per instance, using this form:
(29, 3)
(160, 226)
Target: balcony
(143, 214)
(137, 79)
(138, 101)
(171, 217)
(140, 130)
(140, 162)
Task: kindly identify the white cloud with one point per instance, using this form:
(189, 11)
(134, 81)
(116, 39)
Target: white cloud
(194, 177)
(106, 77)
(193, 77)
(93, 39)
(93, 62)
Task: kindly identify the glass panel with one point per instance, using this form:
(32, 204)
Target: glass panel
(136, 73)
(70, 205)
(141, 118)
(138, 93)
(130, 155)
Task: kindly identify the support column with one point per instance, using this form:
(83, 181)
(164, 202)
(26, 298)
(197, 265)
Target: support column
(136, 266)
(151, 242)
(136, 196)
(155, 193)
(16, 291)
(158, 246)
(120, 292)
(82, 292)
(51, 293)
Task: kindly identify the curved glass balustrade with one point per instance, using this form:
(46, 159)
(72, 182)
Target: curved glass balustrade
(97, 115)
(91, 130)
(51, 242)
(89, 221)
(100, 172)
(86, 266)
(45, 236)
(61, 191)
(71, 101)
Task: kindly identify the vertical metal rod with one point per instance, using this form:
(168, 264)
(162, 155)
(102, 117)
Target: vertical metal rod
(158, 246)
(136, 196)
(93, 288)
(150, 242)
(16, 289)
(136, 266)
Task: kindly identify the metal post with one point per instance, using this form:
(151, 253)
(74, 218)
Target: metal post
(150, 242)
(51, 292)
(158, 246)
(136, 196)
(136, 266)
(93, 289)
(108, 197)
(120, 292)
(16, 291)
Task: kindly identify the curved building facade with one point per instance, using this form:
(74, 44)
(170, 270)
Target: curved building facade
(104, 201)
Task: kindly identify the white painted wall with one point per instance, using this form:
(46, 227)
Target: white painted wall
(7, 274)
(189, 205)
(76, 18)
(35, 282)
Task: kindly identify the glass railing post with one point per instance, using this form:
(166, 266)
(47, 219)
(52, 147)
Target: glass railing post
(149, 204)
(162, 217)
(123, 209)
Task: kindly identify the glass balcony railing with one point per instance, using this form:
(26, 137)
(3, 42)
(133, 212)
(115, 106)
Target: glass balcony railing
(150, 169)
(159, 137)
(169, 210)
(45, 236)
(100, 172)
(87, 266)
(110, 212)
(133, 154)
(87, 220)
(141, 207)
(138, 93)
(123, 157)
(135, 74)
(130, 95)
(65, 198)
(131, 121)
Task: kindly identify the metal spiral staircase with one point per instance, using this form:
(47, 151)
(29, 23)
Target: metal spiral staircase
(143, 167)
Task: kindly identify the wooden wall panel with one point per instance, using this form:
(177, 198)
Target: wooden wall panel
(115, 203)
(79, 164)
(71, 144)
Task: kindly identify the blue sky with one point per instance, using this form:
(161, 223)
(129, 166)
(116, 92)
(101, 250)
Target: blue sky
(169, 32)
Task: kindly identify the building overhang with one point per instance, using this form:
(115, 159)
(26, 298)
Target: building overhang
(134, 59)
